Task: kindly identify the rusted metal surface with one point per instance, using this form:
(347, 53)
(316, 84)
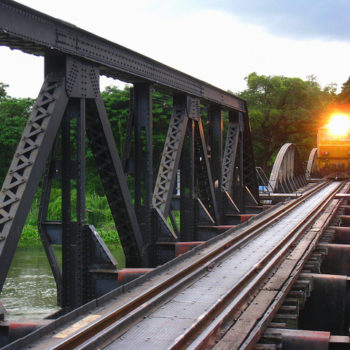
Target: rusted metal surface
(342, 234)
(325, 311)
(337, 261)
(183, 247)
(127, 275)
(295, 339)
(15, 330)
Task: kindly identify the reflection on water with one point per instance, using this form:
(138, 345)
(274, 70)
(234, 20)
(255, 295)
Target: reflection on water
(30, 289)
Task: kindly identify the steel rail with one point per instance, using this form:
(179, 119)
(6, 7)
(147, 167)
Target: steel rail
(126, 314)
(135, 307)
(36, 33)
(198, 335)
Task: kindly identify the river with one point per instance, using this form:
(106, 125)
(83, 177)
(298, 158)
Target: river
(30, 290)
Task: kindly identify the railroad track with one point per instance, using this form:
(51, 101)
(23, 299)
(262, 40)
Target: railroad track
(245, 258)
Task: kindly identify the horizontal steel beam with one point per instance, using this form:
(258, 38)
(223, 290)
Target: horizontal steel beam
(37, 33)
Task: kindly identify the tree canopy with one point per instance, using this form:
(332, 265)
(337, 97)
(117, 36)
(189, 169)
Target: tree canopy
(283, 109)
(14, 113)
(344, 96)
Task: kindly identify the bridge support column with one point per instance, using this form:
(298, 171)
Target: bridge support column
(144, 165)
(188, 211)
(74, 240)
(216, 155)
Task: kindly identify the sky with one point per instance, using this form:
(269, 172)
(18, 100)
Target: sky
(219, 41)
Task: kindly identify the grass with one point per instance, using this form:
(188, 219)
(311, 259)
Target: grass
(97, 214)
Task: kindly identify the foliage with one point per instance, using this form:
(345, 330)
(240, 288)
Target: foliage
(283, 109)
(344, 96)
(98, 214)
(14, 113)
(117, 103)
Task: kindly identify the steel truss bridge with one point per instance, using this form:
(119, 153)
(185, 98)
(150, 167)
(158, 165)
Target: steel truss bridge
(218, 277)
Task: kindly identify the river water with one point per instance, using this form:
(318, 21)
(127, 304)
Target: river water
(30, 290)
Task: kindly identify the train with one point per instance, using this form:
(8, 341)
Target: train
(333, 148)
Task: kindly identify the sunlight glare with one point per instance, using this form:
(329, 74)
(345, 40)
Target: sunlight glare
(339, 125)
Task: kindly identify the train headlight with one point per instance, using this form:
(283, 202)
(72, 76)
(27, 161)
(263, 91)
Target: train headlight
(339, 125)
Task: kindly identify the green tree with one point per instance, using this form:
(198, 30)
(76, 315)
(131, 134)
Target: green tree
(14, 113)
(3, 90)
(283, 109)
(344, 95)
(117, 103)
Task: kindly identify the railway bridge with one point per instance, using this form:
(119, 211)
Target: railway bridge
(210, 261)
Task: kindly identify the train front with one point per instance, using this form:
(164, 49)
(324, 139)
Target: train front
(333, 148)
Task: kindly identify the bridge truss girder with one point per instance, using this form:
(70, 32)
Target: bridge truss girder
(212, 182)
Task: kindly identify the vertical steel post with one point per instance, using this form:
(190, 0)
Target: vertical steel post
(216, 147)
(129, 134)
(242, 191)
(188, 213)
(68, 240)
(74, 240)
(81, 181)
(250, 179)
(144, 161)
(85, 289)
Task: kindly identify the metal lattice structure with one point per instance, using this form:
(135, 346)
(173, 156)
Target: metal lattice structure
(170, 157)
(287, 174)
(311, 168)
(214, 181)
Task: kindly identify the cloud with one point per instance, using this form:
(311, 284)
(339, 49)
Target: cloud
(212, 45)
(301, 19)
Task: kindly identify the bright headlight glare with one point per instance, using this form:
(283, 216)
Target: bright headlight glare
(339, 125)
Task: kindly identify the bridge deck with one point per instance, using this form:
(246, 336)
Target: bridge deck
(176, 315)
(163, 326)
